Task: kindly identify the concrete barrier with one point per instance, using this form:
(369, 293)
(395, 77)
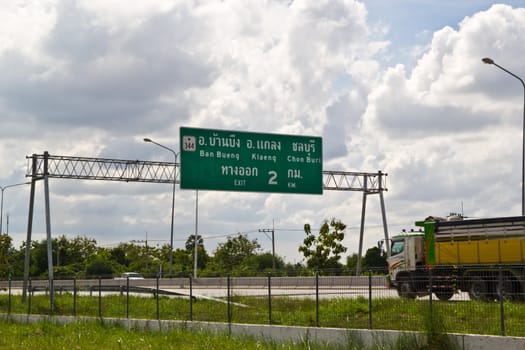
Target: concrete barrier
(335, 336)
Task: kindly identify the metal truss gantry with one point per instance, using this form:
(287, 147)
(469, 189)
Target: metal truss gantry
(45, 166)
(83, 168)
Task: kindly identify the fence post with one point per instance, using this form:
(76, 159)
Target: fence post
(74, 296)
(157, 299)
(369, 299)
(29, 297)
(430, 290)
(501, 306)
(269, 298)
(127, 296)
(229, 298)
(9, 298)
(191, 297)
(317, 298)
(99, 296)
(51, 296)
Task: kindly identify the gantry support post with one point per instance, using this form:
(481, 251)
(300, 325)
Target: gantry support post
(361, 230)
(27, 256)
(383, 215)
(48, 234)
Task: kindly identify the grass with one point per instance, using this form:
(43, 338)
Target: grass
(98, 335)
(387, 313)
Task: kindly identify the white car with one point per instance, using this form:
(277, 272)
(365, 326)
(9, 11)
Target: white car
(131, 276)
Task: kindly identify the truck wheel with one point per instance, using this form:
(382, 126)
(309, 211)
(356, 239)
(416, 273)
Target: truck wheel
(444, 294)
(405, 290)
(478, 289)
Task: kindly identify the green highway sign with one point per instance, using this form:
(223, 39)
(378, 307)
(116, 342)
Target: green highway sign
(243, 161)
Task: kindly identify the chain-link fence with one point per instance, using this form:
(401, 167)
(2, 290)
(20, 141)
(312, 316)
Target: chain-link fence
(488, 301)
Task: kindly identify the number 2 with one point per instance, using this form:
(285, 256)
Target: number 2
(273, 177)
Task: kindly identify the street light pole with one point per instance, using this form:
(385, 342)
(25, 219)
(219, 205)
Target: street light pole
(490, 61)
(175, 155)
(2, 201)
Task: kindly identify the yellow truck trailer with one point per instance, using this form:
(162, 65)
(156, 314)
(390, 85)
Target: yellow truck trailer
(484, 257)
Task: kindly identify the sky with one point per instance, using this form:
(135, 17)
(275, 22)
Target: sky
(397, 86)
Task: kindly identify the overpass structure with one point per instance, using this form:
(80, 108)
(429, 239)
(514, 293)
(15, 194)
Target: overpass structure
(45, 166)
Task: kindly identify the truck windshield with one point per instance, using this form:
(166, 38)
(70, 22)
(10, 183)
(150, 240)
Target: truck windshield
(397, 247)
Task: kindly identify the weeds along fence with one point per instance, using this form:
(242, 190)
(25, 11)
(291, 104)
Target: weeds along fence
(319, 300)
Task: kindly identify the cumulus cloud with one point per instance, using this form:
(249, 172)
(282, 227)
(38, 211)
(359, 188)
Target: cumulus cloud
(92, 78)
(445, 120)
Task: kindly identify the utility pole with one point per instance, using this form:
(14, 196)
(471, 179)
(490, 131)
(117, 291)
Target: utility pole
(272, 230)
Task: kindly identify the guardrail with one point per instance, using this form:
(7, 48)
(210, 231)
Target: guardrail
(216, 282)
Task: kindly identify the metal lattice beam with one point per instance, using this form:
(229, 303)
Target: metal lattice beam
(83, 168)
(354, 181)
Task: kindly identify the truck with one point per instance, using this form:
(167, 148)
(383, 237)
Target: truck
(483, 257)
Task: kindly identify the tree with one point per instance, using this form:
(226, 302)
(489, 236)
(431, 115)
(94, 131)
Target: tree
(163, 254)
(190, 242)
(324, 250)
(76, 249)
(39, 266)
(17, 264)
(118, 254)
(202, 255)
(182, 260)
(70, 255)
(6, 256)
(230, 255)
(351, 262)
(375, 259)
(99, 266)
(263, 262)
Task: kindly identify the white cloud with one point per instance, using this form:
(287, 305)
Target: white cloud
(92, 78)
(24, 24)
(449, 138)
